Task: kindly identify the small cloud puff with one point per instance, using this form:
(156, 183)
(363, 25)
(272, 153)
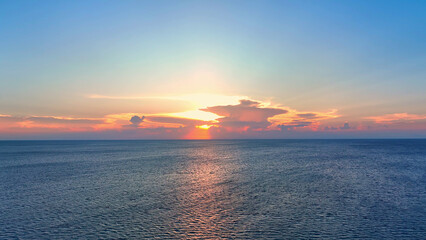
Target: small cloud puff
(136, 120)
(345, 126)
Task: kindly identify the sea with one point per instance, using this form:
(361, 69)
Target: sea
(213, 189)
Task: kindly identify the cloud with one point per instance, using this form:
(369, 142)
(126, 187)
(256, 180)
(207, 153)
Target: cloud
(303, 121)
(345, 126)
(51, 120)
(62, 120)
(246, 115)
(136, 120)
(248, 103)
(246, 111)
(9, 118)
(210, 116)
(293, 124)
(389, 118)
(45, 124)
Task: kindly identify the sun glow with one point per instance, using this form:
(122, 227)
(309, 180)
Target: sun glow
(196, 100)
(204, 126)
(196, 114)
(198, 133)
(202, 100)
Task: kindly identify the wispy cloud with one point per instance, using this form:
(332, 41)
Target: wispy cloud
(61, 120)
(389, 118)
(294, 124)
(10, 123)
(303, 121)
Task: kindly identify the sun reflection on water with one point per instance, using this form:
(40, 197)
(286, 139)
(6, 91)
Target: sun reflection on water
(206, 199)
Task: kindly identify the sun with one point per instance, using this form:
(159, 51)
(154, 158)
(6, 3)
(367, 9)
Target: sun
(205, 126)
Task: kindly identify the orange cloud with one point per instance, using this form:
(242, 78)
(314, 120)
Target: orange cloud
(389, 118)
(46, 124)
(246, 115)
(244, 118)
(215, 114)
(296, 120)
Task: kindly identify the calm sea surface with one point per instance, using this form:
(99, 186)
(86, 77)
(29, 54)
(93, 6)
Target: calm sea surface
(241, 189)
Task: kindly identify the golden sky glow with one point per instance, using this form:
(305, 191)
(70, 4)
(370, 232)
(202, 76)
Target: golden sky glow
(208, 116)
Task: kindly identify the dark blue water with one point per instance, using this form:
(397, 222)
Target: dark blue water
(241, 189)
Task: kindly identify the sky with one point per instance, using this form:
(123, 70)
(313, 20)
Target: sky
(212, 69)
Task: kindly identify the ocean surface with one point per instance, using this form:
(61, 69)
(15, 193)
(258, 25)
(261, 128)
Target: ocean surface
(230, 189)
